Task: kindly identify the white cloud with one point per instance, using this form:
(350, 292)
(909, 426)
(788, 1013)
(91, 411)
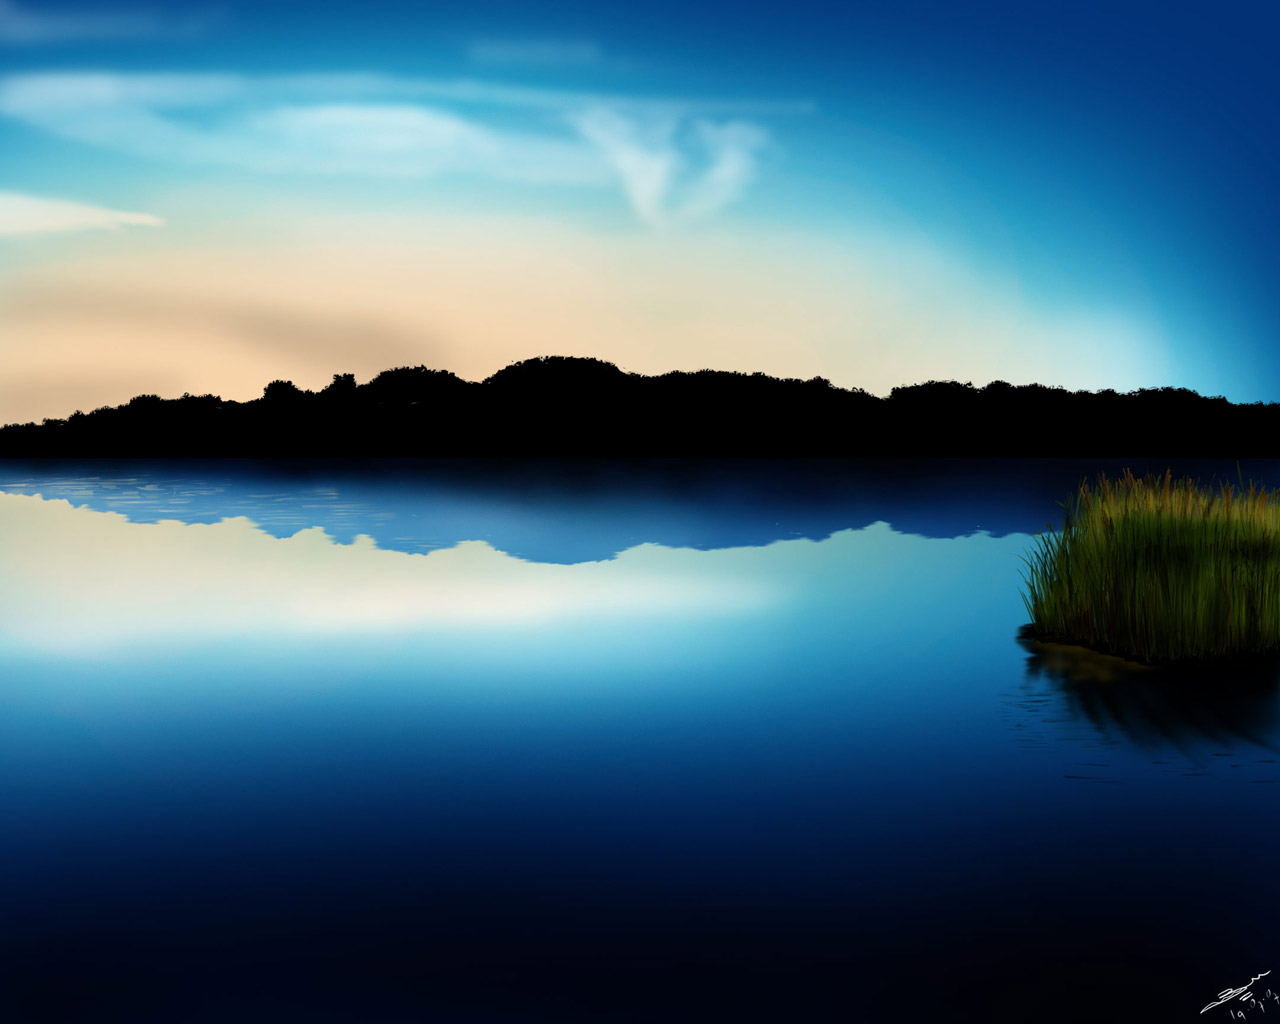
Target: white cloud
(32, 95)
(24, 215)
(672, 168)
(393, 140)
(648, 161)
(643, 156)
(20, 25)
(732, 148)
(287, 126)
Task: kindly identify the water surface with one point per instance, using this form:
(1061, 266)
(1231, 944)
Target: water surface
(601, 742)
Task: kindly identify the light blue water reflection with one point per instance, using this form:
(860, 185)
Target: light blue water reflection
(322, 746)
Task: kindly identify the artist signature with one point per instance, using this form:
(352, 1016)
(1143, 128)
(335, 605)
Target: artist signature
(1242, 993)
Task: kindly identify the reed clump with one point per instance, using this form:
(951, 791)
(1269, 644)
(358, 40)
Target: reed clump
(1161, 571)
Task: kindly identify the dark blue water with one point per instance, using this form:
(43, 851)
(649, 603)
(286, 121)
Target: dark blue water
(585, 742)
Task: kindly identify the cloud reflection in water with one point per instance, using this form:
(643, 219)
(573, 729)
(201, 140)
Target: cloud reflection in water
(81, 580)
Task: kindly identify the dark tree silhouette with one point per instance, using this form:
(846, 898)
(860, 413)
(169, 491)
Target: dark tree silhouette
(281, 391)
(562, 405)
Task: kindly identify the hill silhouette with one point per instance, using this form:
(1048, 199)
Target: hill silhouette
(568, 406)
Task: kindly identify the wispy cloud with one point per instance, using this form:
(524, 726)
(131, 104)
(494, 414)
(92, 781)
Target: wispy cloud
(732, 149)
(292, 126)
(35, 95)
(676, 160)
(25, 26)
(28, 215)
(649, 163)
(642, 154)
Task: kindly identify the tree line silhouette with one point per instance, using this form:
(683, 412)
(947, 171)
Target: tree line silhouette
(561, 405)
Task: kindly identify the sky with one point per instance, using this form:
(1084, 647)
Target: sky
(203, 198)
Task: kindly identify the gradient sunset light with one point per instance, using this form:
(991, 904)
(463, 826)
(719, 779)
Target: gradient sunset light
(205, 199)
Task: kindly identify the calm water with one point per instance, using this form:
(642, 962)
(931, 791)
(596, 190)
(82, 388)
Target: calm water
(479, 742)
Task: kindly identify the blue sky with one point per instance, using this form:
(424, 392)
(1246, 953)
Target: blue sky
(877, 193)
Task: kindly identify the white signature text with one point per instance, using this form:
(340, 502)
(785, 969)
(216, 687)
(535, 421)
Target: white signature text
(1242, 993)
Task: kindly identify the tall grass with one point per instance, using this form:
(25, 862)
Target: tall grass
(1161, 571)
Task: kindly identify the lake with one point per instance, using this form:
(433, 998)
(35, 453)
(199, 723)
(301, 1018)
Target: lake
(584, 741)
